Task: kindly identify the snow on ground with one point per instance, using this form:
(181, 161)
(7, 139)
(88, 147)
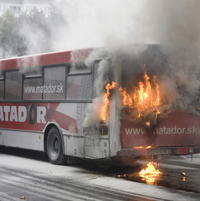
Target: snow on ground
(187, 161)
(79, 174)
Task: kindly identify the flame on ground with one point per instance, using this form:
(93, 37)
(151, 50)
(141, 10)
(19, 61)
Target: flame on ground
(184, 176)
(150, 174)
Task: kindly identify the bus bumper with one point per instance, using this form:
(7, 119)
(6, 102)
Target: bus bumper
(134, 153)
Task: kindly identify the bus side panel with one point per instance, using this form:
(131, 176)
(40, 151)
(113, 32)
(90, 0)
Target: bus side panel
(96, 147)
(81, 142)
(74, 145)
(24, 116)
(23, 124)
(1, 138)
(26, 140)
(68, 117)
(175, 129)
(72, 131)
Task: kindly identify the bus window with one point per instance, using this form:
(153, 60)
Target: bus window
(54, 83)
(33, 88)
(79, 87)
(13, 85)
(79, 68)
(33, 71)
(1, 89)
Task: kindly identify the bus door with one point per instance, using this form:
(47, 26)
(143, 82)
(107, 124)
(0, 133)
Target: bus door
(96, 141)
(79, 95)
(114, 126)
(96, 133)
(102, 140)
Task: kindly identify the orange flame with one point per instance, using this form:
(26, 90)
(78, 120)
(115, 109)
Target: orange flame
(150, 174)
(144, 97)
(106, 101)
(126, 98)
(143, 147)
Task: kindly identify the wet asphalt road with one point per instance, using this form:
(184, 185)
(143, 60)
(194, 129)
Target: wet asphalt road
(18, 186)
(175, 175)
(29, 183)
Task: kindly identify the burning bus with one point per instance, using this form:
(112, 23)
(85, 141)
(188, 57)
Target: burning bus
(97, 104)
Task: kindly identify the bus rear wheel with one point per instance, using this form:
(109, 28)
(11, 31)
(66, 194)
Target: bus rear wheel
(55, 147)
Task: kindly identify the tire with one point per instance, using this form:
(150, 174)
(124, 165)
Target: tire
(55, 150)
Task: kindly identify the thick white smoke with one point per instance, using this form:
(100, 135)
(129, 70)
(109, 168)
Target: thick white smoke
(113, 24)
(117, 22)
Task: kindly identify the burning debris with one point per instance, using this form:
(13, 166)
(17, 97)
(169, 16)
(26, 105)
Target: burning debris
(151, 173)
(184, 176)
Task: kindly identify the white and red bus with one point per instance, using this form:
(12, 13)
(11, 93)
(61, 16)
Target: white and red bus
(43, 103)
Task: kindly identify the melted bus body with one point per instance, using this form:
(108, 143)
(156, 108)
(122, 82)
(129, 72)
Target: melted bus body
(43, 104)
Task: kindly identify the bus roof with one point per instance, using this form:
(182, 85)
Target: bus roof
(45, 59)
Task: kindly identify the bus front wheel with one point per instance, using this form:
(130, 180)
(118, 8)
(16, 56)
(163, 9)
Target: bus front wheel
(55, 147)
